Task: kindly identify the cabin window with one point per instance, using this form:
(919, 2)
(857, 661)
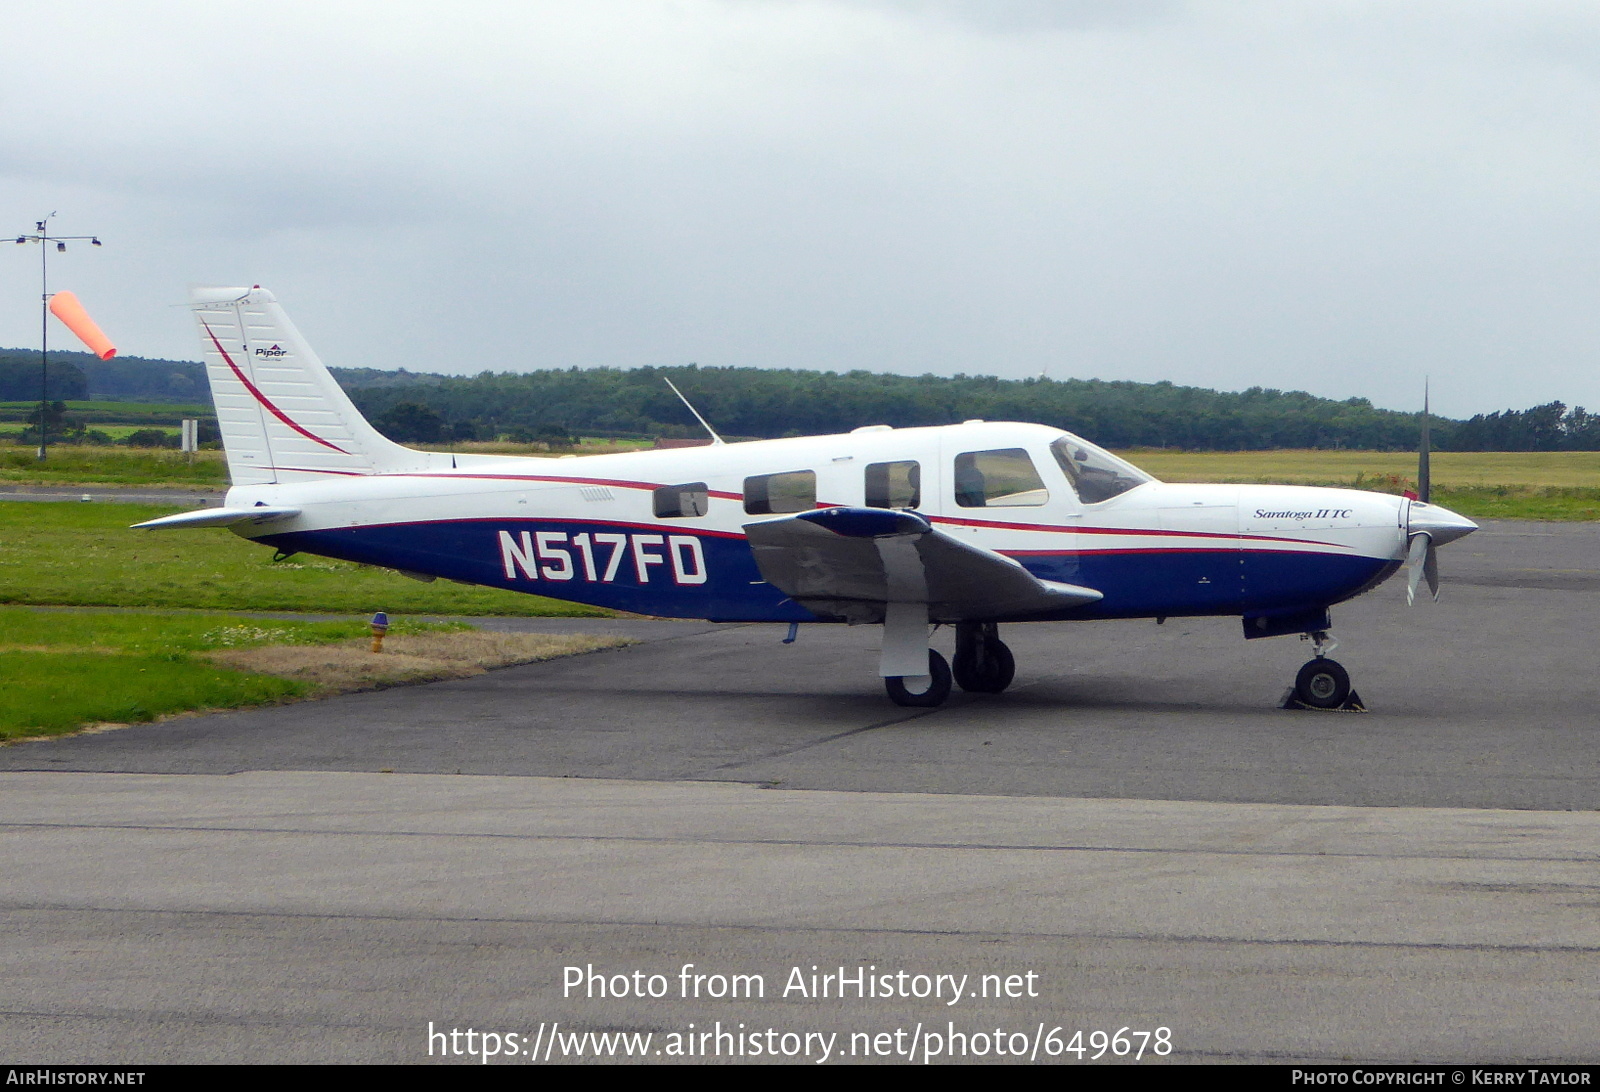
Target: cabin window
(1096, 475)
(681, 501)
(1004, 478)
(894, 485)
(771, 494)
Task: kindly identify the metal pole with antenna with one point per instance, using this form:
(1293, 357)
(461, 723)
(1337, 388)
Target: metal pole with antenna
(42, 236)
(716, 441)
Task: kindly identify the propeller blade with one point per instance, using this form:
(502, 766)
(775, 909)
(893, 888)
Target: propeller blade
(1418, 558)
(1424, 452)
(1430, 569)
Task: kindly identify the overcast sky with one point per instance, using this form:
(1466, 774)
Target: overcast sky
(1338, 197)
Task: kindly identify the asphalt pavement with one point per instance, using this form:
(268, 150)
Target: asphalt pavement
(1136, 823)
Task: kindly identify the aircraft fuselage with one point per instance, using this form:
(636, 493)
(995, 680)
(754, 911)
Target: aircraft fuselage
(587, 529)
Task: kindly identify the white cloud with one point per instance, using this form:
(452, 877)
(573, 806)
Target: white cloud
(1335, 196)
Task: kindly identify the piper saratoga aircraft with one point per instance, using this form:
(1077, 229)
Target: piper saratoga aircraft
(974, 525)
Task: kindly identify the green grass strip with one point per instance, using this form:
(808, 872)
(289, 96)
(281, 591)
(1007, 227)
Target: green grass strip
(164, 634)
(85, 555)
(85, 465)
(49, 693)
(63, 669)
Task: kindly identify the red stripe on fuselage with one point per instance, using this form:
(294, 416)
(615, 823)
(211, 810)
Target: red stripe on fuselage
(1154, 532)
(505, 521)
(957, 521)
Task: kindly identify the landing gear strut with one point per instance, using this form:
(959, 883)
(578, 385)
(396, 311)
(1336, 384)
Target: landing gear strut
(1323, 683)
(984, 665)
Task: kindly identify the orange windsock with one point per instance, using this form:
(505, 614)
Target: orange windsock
(65, 306)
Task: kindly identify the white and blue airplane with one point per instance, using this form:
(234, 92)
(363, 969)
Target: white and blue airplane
(972, 525)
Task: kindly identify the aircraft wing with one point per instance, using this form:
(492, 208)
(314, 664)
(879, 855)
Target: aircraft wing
(851, 562)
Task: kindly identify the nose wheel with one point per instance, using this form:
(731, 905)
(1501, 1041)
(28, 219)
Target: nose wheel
(1323, 683)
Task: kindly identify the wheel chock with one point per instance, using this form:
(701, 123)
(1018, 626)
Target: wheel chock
(1352, 704)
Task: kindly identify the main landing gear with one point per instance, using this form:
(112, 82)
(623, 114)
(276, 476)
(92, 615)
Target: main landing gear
(921, 691)
(983, 665)
(1323, 683)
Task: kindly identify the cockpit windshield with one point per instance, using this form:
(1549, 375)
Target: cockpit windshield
(1096, 474)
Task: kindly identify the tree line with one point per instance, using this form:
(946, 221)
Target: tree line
(761, 402)
(1550, 427)
(555, 405)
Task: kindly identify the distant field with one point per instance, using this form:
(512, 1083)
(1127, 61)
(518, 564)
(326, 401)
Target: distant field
(137, 409)
(587, 446)
(1528, 485)
(116, 432)
(85, 555)
(83, 465)
(1541, 469)
(1562, 485)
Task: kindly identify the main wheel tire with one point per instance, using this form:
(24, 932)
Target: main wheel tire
(1322, 684)
(985, 667)
(935, 693)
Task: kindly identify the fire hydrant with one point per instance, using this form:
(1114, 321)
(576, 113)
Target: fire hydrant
(380, 626)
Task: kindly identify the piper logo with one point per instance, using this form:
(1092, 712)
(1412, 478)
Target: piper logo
(273, 352)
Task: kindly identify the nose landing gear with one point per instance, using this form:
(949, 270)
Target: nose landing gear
(1323, 683)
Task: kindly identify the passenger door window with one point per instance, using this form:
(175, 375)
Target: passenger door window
(1003, 478)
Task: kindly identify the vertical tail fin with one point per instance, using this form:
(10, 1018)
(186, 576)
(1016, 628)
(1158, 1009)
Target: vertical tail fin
(282, 415)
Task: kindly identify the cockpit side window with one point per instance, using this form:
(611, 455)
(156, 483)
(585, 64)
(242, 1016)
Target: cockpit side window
(1097, 475)
(1003, 478)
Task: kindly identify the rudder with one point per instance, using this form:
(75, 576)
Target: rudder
(282, 416)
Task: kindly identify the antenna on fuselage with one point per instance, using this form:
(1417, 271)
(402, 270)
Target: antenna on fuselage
(715, 439)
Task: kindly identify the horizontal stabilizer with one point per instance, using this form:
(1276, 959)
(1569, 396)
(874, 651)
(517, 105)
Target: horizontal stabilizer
(218, 517)
(851, 562)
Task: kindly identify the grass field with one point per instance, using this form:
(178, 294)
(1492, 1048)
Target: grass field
(589, 445)
(82, 465)
(1562, 485)
(64, 669)
(178, 410)
(9, 433)
(85, 555)
(116, 419)
(77, 464)
(1450, 469)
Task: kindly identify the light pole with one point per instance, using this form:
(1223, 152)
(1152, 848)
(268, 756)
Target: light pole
(42, 236)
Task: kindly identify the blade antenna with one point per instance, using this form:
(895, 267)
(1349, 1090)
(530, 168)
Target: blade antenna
(1424, 450)
(716, 441)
